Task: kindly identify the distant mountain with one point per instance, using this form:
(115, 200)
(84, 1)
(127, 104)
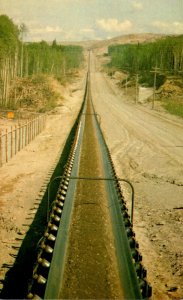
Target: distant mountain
(122, 39)
(127, 39)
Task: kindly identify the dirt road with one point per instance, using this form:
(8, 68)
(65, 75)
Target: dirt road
(146, 147)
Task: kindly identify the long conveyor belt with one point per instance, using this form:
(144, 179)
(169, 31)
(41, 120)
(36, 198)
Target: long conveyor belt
(89, 249)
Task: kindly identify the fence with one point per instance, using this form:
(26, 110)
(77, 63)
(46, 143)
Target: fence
(19, 136)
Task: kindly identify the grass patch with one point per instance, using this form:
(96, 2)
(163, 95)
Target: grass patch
(174, 107)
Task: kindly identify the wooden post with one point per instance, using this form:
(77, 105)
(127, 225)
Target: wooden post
(19, 137)
(154, 85)
(38, 124)
(15, 139)
(32, 121)
(137, 89)
(31, 128)
(40, 119)
(126, 84)
(11, 141)
(6, 142)
(34, 128)
(45, 117)
(29, 131)
(26, 133)
(1, 162)
(44, 121)
(23, 136)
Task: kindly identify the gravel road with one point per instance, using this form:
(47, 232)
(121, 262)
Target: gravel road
(146, 147)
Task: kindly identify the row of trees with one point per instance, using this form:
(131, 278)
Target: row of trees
(19, 59)
(9, 45)
(165, 54)
(53, 60)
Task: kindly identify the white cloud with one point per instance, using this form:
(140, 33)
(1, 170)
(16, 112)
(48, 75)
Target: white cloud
(38, 32)
(53, 29)
(137, 5)
(47, 29)
(169, 27)
(114, 25)
(87, 30)
(160, 24)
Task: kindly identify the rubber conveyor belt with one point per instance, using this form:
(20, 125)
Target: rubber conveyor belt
(117, 272)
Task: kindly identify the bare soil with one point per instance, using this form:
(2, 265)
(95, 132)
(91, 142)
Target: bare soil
(146, 147)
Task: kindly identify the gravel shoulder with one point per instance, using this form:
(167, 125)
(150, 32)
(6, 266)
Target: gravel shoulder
(146, 147)
(25, 176)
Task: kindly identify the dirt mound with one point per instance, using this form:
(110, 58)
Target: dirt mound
(35, 93)
(173, 87)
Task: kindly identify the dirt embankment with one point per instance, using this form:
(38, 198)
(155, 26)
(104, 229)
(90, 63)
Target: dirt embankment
(167, 99)
(25, 177)
(172, 88)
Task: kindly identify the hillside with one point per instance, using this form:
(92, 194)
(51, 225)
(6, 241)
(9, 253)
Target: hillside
(127, 39)
(102, 45)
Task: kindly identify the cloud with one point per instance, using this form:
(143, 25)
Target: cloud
(137, 5)
(53, 29)
(169, 27)
(38, 32)
(47, 29)
(49, 33)
(87, 30)
(114, 25)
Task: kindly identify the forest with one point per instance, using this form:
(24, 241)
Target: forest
(20, 59)
(166, 55)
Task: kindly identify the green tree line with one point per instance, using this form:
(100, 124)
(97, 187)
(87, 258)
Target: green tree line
(166, 54)
(19, 59)
(50, 59)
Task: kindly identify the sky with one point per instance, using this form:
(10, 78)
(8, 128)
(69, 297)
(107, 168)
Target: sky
(79, 20)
